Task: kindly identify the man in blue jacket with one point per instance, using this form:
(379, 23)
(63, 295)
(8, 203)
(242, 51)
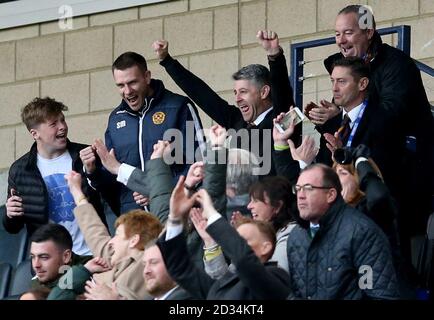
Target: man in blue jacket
(144, 116)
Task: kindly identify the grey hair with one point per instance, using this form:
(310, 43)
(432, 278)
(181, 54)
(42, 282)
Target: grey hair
(239, 173)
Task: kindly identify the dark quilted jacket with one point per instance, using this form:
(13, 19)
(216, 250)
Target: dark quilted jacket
(330, 266)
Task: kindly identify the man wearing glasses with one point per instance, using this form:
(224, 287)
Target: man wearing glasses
(335, 251)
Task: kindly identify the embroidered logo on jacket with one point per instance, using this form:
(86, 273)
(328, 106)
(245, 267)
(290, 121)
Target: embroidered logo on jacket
(121, 124)
(158, 117)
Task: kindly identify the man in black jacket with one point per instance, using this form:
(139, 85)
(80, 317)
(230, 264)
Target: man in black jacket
(37, 190)
(397, 85)
(250, 122)
(336, 252)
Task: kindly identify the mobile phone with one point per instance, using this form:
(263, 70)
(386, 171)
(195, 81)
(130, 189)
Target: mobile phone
(294, 115)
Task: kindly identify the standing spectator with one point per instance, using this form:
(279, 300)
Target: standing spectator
(397, 84)
(146, 112)
(254, 110)
(37, 190)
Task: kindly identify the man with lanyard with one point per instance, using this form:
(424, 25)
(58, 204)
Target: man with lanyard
(360, 120)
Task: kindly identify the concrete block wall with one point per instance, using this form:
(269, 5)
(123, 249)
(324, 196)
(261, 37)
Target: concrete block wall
(213, 38)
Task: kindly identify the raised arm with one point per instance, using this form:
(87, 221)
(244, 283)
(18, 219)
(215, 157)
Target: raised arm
(207, 99)
(94, 231)
(263, 283)
(281, 89)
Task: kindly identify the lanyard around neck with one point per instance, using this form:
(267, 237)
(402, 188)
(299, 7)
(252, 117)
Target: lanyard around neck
(356, 123)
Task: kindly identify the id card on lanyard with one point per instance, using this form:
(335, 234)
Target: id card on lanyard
(356, 123)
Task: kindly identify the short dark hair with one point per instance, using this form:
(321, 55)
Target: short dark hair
(360, 10)
(329, 176)
(53, 232)
(130, 59)
(256, 73)
(359, 69)
(40, 110)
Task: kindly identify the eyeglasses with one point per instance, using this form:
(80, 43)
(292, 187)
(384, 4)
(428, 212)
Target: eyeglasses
(306, 188)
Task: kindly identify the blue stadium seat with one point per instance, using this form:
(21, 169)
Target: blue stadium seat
(21, 279)
(5, 277)
(13, 247)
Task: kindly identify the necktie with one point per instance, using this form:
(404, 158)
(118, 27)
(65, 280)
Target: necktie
(314, 230)
(345, 129)
(251, 125)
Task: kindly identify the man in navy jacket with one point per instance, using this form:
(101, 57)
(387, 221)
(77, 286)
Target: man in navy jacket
(144, 116)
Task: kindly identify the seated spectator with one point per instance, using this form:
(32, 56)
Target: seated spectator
(158, 282)
(335, 252)
(51, 254)
(36, 294)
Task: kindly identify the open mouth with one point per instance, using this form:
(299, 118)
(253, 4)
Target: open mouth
(61, 136)
(346, 50)
(132, 99)
(244, 108)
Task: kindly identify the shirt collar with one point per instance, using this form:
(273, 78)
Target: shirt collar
(353, 113)
(262, 116)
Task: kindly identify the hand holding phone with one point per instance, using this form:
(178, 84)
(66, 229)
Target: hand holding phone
(14, 205)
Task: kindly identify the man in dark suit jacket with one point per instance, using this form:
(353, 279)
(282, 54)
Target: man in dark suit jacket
(368, 124)
(249, 250)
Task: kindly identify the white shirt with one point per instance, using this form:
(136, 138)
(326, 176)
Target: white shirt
(262, 116)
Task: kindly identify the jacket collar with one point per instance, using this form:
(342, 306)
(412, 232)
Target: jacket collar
(328, 218)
